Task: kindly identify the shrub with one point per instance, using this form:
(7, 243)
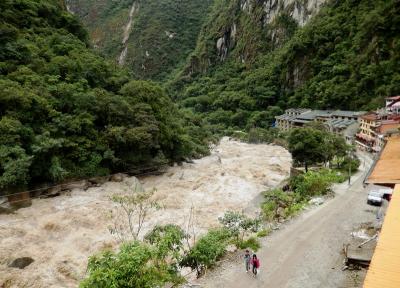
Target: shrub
(277, 202)
(263, 233)
(252, 243)
(352, 163)
(135, 265)
(238, 223)
(315, 183)
(207, 250)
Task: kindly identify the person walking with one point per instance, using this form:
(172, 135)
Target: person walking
(255, 262)
(247, 260)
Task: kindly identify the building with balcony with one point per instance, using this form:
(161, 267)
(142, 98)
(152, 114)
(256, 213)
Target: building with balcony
(393, 105)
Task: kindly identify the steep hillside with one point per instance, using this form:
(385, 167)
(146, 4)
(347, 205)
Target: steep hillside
(254, 58)
(151, 38)
(243, 29)
(67, 113)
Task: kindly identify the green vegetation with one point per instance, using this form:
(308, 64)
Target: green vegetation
(281, 204)
(207, 250)
(312, 146)
(263, 233)
(105, 21)
(238, 223)
(135, 265)
(66, 113)
(167, 30)
(345, 57)
(260, 135)
(315, 183)
(251, 243)
(164, 32)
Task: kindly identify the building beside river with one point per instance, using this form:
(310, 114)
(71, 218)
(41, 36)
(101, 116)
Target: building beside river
(337, 121)
(368, 130)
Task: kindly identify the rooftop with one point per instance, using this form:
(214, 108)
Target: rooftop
(286, 117)
(386, 169)
(297, 110)
(340, 123)
(347, 113)
(311, 115)
(388, 127)
(372, 116)
(384, 270)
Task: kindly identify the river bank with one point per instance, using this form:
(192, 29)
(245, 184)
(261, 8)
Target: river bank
(60, 233)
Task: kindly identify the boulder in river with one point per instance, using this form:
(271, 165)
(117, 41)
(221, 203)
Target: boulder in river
(21, 263)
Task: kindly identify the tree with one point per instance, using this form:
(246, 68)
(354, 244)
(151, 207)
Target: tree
(135, 204)
(306, 146)
(168, 239)
(207, 250)
(238, 223)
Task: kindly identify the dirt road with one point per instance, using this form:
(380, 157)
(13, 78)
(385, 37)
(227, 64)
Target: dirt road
(306, 252)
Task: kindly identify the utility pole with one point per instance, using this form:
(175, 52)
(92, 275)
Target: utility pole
(349, 173)
(351, 158)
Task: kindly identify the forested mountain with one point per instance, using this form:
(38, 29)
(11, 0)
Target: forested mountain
(160, 36)
(232, 64)
(67, 113)
(249, 65)
(254, 58)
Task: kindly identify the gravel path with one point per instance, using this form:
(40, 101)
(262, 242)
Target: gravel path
(307, 251)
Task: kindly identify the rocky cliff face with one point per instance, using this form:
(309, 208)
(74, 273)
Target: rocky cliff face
(243, 28)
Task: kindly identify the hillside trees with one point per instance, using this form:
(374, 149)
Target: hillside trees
(311, 146)
(163, 33)
(65, 113)
(343, 58)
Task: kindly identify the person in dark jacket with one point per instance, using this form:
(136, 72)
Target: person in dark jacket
(247, 260)
(255, 262)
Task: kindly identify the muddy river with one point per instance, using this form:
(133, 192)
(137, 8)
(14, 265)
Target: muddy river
(60, 233)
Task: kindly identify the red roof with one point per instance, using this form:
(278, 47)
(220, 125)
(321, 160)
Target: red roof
(385, 127)
(370, 116)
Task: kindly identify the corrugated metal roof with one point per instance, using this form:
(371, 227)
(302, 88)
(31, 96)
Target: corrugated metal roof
(387, 168)
(384, 270)
(343, 113)
(341, 123)
(311, 115)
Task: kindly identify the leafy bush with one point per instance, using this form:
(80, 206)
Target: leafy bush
(352, 163)
(252, 243)
(168, 239)
(315, 183)
(207, 250)
(263, 233)
(135, 265)
(238, 223)
(280, 204)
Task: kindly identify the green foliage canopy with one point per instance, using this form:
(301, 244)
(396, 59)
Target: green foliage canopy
(66, 113)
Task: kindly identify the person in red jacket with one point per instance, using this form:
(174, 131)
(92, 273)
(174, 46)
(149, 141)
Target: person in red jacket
(255, 262)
